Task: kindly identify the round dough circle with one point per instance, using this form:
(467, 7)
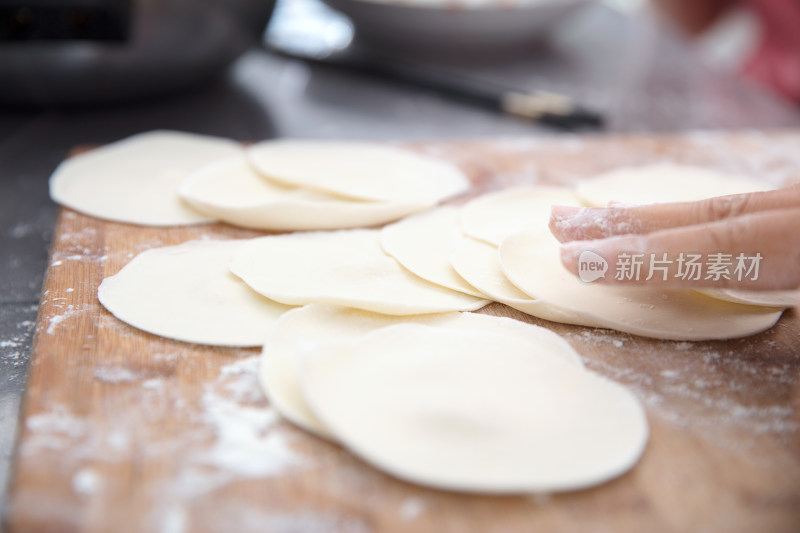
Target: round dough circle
(232, 191)
(532, 262)
(423, 243)
(781, 299)
(346, 267)
(663, 183)
(478, 263)
(187, 293)
(493, 217)
(136, 180)
(320, 324)
(473, 412)
(359, 170)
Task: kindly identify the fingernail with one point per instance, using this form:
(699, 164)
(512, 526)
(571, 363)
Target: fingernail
(561, 212)
(570, 253)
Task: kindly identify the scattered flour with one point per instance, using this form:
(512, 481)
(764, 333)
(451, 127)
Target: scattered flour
(243, 366)
(154, 384)
(608, 222)
(167, 357)
(248, 443)
(69, 311)
(54, 322)
(21, 230)
(14, 350)
(57, 429)
(242, 518)
(86, 481)
(247, 440)
(245, 387)
(174, 520)
(412, 508)
(712, 406)
(115, 374)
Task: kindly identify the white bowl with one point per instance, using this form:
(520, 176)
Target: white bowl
(454, 24)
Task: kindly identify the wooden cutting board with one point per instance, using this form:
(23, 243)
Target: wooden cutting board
(125, 431)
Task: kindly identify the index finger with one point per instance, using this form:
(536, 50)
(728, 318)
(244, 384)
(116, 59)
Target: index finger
(584, 223)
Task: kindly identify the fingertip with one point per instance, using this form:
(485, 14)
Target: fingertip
(563, 211)
(600, 257)
(616, 203)
(560, 221)
(570, 253)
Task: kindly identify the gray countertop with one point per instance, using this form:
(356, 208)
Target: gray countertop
(641, 75)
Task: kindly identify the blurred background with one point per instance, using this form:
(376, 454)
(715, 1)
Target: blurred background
(77, 72)
(638, 64)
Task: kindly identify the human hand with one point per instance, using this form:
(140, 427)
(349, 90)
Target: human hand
(745, 241)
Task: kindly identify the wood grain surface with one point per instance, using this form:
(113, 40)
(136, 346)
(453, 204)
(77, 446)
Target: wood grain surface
(125, 431)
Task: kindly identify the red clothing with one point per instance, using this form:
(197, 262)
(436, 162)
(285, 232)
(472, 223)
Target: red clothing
(776, 61)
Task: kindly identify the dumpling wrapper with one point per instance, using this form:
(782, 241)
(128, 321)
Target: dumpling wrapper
(473, 412)
(663, 183)
(136, 180)
(423, 243)
(531, 261)
(187, 293)
(493, 217)
(232, 191)
(359, 170)
(478, 263)
(346, 267)
(320, 324)
(782, 299)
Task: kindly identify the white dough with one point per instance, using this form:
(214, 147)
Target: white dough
(473, 412)
(532, 262)
(187, 293)
(136, 180)
(346, 267)
(359, 170)
(761, 298)
(232, 191)
(662, 183)
(319, 324)
(493, 217)
(478, 263)
(423, 243)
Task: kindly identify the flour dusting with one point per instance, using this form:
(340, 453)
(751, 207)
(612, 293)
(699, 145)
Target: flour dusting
(247, 441)
(54, 322)
(698, 388)
(57, 429)
(412, 508)
(605, 223)
(115, 374)
(69, 311)
(86, 481)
